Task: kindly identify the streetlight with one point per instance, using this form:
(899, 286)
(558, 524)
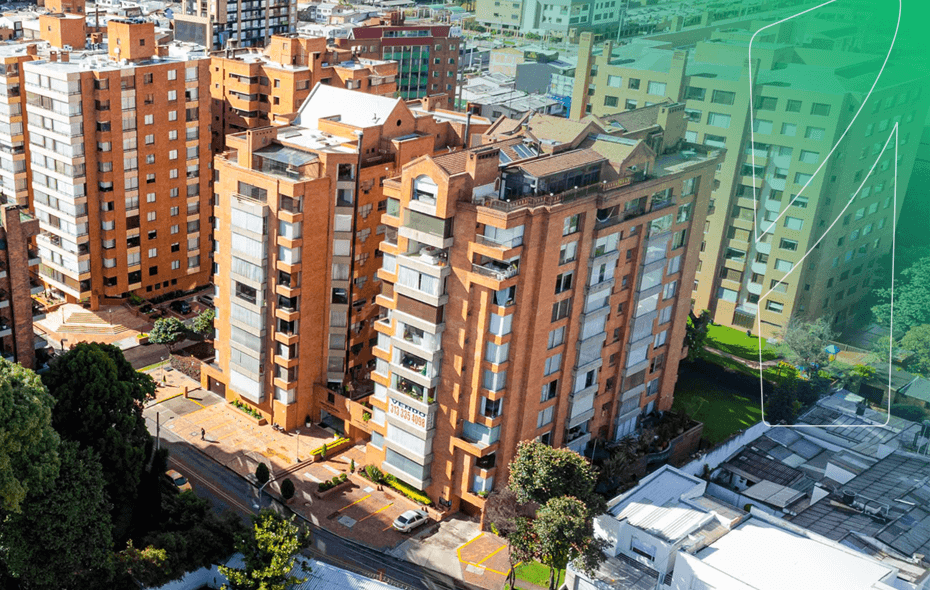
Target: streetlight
(258, 501)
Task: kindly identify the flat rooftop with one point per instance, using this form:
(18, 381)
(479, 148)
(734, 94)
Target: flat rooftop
(766, 557)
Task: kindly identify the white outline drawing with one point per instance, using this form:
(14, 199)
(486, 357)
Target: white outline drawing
(894, 134)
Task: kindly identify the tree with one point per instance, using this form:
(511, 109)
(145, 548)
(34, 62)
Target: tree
(262, 475)
(908, 412)
(917, 342)
(287, 489)
(504, 512)
(782, 405)
(148, 567)
(911, 299)
(203, 323)
(62, 537)
(539, 473)
(28, 443)
(99, 399)
(852, 378)
(806, 342)
(562, 532)
(167, 331)
(270, 553)
(696, 334)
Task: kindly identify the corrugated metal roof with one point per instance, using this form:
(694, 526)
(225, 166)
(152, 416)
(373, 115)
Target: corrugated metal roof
(670, 524)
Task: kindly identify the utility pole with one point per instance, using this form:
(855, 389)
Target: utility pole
(157, 431)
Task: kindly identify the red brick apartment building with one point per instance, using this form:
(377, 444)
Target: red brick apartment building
(250, 86)
(298, 224)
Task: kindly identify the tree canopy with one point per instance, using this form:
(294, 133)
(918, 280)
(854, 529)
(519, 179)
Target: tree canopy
(62, 537)
(167, 331)
(805, 342)
(917, 342)
(562, 532)
(99, 399)
(203, 323)
(28, 443)
(911, 299)
(539, 473)
(270, 552)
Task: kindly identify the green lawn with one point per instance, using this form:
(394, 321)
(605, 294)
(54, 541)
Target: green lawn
(536, 573)
(710, 399)
(737, 343)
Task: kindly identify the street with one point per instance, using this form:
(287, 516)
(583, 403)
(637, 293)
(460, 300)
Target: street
(229, 491)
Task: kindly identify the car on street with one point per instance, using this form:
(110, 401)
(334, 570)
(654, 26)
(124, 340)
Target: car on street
(181, 306)
(410, 520)
(206, 300)
(179, 481)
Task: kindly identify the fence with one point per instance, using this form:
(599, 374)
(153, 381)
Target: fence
(719, 454)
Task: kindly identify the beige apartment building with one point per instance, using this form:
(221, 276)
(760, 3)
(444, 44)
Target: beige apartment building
(535, 287)
(298, 223)
(217, 24)
(777, 196)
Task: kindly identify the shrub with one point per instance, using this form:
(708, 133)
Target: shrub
(352, 465)
(366, 416)
(407, 490)
(323, 451)
(373, 473)
(907, 412)
(262, 475)
(343, 478)
(325, 485)
(247, 409)
(136, 300)
(287, 489)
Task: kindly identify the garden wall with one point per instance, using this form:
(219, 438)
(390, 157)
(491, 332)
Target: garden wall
(722, 451)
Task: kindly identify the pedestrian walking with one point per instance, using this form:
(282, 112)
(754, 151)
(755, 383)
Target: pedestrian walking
(203, 434)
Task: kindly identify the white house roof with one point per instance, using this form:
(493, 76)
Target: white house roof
(767, 557)
(358, 109)
(670, 524)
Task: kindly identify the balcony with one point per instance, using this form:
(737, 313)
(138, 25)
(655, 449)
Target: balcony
(38, 311)
(35, 286)
(498, 271)
(551, 199)
(414, 390)
(34, 259)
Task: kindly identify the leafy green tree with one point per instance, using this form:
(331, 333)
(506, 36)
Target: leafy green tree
(504, 512)
(262, 475)
(28, 443)
(911, 299)
(539, 473)
(167, 331)
(191, 535)
(203, 323)
(99, 399)
(917, 342)
(270, 552)
(781, 404)
(696, 334)
(805, 342)
(853, 377)
(562, 532)
(148, 566)
(62, 539)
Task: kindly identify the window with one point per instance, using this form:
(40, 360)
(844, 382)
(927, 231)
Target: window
(556, 337)
(668, 291)
(794, 223)
(723, 97)
(783, 265)
(821, 109)
(561, 309)
(563, 282)
(694, 115)
(679, 239)
(809, 157)
(766, 103)
(570, 225)
(660, 339)
(815, 133)
(615, 81)
(718, 120)
(674, 265)
(789, 129)
(762, 126)
(656, 88)
(149, 119)
(568, 252)
(793, 106)
(790, 245)
(774, 306)
(634, 83)
(695, 93)
(549, 391)
(545, 417)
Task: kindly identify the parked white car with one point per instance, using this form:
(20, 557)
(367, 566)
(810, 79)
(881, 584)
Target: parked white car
(410, 520)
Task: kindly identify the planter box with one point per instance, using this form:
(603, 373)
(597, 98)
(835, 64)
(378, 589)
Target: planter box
(259, 421)
(143, 340)
(331, 491)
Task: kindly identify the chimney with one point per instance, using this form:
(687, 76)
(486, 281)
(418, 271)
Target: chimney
(65, 56)
(482, 164)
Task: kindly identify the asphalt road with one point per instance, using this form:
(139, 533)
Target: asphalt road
(229, 491)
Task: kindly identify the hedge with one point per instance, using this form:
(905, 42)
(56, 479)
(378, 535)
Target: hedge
(329, 445)
(248, 410)
(374, 474)
(331, 483)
